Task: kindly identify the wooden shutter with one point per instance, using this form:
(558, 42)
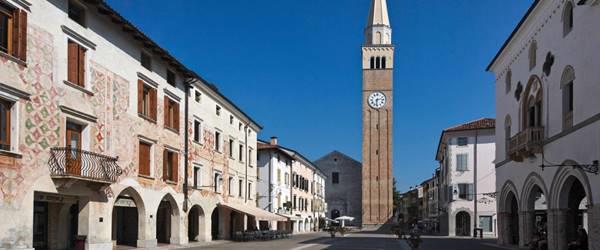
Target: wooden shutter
(166, 112)
(15, 33)
(140, 100)
(72, 54)
(175, 167)
(144, 161)
(165, 162)
(153, 104)
(22, 53)
(81, 66)
(176, 117)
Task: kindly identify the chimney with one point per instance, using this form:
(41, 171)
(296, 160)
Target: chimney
(274, 140)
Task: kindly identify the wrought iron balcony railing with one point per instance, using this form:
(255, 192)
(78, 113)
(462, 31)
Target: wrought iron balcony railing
(526, 142)
(73, 162)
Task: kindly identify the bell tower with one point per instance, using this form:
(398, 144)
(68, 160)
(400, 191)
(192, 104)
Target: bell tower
(377, 117)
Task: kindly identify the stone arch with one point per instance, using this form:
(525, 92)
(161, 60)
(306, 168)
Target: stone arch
(568, 76)
(567, 17)
(535, 216)
(570, 184)
(532, 98)
(197, 223)
(378, 37)
(123, 232)
(167, 220)
(508, 215)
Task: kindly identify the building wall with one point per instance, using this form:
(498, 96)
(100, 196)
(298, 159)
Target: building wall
(579, 144)
(345, 197)
(110, 98)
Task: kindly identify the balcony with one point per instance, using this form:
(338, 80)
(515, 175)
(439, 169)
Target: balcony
(526, 143)
(77, 164)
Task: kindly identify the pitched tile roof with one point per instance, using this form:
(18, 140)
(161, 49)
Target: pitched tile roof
(483, 123)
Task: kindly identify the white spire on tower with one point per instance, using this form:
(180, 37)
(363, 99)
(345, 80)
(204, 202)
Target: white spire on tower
(378, 31)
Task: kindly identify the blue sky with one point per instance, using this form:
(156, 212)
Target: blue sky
(294, 65)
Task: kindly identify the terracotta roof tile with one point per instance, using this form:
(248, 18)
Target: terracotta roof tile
(484, 123)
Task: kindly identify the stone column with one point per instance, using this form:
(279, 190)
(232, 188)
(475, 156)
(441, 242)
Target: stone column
(147, 230)
(178, 232)
(95, 223)
(594, 226)
(503, 228)
(559, 230)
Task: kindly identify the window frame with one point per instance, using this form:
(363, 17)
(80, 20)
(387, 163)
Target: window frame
(172, 114)
(77, 76)
(465, 161)
(197, 178)
(197, 136)
(568, 18)
(462, 141)
(6, 145)
(170, 166)
(8, 12)
(218, 141)
(151, 103)
(335, 177)
(149, 160)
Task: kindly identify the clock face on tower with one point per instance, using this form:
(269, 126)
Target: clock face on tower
(377, 100)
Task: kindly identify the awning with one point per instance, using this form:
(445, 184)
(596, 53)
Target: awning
(291, 217)
(258, 213)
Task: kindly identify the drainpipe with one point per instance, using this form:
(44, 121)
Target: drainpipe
(475, 219)
(186, 147)
(270, 202)
(246, 164)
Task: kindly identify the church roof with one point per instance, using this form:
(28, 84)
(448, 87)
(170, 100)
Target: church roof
(379, 13)
(483, 123)
(338, 154)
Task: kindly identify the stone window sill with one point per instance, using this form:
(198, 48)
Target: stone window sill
(13, 59)
(77, 87)
(146, 177)
(147, 118)
(11, 154)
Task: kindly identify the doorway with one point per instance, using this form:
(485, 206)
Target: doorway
(463, 224)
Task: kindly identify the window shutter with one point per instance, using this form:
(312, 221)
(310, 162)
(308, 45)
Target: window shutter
(153, 103)
(176, 119)
(165, 160)
(471, 194)
(73, 51)
(81, 66)
(144, 159)
(15, 33)
(175, 169)
(140, 92)
(166, 112)
(23, 35)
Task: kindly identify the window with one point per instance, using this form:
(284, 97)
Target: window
(507, 134)
(241, 153)
(74, 132)
(217, 182)
(146, 60)
(76, 63)
(198, 96)
(372, 62)
(218, 110)
(294, 202)
(231, 119)
(383, 62)
(378, 62)
(13, 31)
(335, 177)
(77, 12)
(171, 114)
(249, 191)
(461, 162)
(465, 191)
(287, 179)
(171, 78)
(5, 124)
(532, 54)
(145, 158)
(463, 141)
(485, 223)
(508, 81)
(217, 141)
(231, 148)
(197, 179)
(230, 188)
(278, 176)
(567, 18)
(240, 187)
(240, 126)
(146, 101)
(567, 80)
(73, 143)
(197, 131)
(250, 156)
(170, 166)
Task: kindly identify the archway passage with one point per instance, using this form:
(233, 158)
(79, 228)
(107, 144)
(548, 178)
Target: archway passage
(195, 223)
(574, 200)
(536, 215)
(163, 222)
(214, 226)
(127, 210)
(463, 224)
(512, 206)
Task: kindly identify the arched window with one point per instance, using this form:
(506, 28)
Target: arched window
(372, 62)
(378, 63)
(566, 84)
(532, 54)
(567, 18)
(532, 104)
(383, 62)
(378, 38)
(507, 134)
(508, 81)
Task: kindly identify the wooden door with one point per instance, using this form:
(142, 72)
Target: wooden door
(73, 154)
